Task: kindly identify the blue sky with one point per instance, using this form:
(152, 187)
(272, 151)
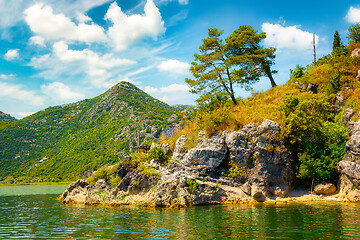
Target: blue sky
(55, 52)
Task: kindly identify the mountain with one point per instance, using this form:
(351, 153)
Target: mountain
(6, 118)
(65, 142)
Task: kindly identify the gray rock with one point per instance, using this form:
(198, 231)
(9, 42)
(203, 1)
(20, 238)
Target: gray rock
(312, 87)
(166, 148)
(209, 152)
(269, 127)
(348, 113)
(355, 52)
(179, 149)
(301, 85)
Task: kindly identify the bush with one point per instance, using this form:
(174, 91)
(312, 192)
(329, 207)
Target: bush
(192, 184)
(158, 154)
(102, 173)
(115, 180)
(313, 138)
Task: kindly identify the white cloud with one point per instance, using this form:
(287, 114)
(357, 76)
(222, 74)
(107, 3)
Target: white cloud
(172, 94)
(94, 65)
(12, 12)
(353, 15)
(102, 71)
(16, 92)
(37, 40)
(82, 18)
(60, 91)
(43, 22)
(288, 37)
(7, 76)
(12, 54)
(174, 66)
(129, 29)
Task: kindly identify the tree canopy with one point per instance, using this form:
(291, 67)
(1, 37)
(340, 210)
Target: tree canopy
(354, 33)
(338, 46)
(221, 65)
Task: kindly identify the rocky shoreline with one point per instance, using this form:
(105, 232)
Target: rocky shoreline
(249, 165)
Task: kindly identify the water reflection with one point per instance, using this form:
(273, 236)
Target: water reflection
(41, 216)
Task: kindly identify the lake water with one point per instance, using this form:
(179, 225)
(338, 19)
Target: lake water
(27, 213)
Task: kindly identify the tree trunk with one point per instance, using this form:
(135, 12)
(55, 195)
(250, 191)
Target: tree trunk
(272, 81)
(268, 73)
(233, 98)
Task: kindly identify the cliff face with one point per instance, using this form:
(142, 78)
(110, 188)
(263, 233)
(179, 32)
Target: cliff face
(349, 167)
(246, 165)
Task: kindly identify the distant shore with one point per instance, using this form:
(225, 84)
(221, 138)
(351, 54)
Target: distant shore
(35, 184)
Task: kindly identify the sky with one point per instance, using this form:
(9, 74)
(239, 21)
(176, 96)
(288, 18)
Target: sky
(55, 52)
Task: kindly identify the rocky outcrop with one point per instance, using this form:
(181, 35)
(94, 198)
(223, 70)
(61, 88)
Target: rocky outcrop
(246, 165)
(349, 167)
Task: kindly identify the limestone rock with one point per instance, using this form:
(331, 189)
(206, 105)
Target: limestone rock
(166, 148)
(324, 188)
(179, 149)
(210, 152)
(269, 127)
(355, 52)
(348, 113)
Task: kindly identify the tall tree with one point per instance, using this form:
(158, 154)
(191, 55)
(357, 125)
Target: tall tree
(239, 61)
(338, 46)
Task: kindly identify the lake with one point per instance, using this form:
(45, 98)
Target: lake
(32, 212)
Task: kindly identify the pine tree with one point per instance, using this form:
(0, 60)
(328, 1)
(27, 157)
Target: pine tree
(240, 60)
(338, 46)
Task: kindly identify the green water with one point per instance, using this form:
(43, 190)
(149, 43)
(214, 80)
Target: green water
(25, 213)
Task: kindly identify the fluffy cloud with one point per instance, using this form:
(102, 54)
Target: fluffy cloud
(288, 37)
(18, 93)
(94, 65)
(7, 76)
(43, 22)
(12, 54)
(60, 91)
(172, 94)
(37, 40)
(353, 15)
(128, 29)
(174, 66)
(12, 12)
(63, 63)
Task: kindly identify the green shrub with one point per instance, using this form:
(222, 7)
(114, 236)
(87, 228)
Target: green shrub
(102, 173)
(236, 172)
(115, 180)
(147, 170)
(192, 184)
(313, 138)
(158, 154)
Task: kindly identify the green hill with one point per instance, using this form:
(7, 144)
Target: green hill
(6, 118)
(64, 142)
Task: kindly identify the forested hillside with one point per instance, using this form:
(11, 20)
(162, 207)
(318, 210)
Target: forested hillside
(64, 142)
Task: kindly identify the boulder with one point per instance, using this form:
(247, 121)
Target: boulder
(312, 87)
(324, 188)
(355, 52)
